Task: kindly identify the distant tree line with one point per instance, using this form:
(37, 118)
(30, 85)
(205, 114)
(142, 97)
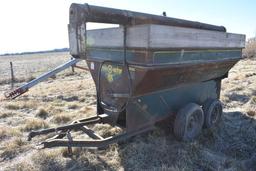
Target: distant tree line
(250, 48)
(47, 51)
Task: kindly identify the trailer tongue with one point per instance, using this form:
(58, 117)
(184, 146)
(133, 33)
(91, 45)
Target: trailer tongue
(149, 69)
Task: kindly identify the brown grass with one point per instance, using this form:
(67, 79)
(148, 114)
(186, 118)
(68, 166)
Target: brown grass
(251, 107)
(48, 160)
(250, 48)
(34, 124)
(73, 106)
(12, 106)
(42, 113)
(251, 112)
(27, 67)
(62, 118)
(106, 130)
(6, 132)
(72, 96)
(5, 114)
(253, 100)
(23, 166)
(13, 148)
(21, 105)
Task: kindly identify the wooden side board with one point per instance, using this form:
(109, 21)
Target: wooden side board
(159, 36)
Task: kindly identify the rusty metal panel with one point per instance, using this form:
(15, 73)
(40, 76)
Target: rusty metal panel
(114, 86)
(89, 13)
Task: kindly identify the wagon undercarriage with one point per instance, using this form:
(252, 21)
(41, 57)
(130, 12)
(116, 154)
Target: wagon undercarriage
(142, 117)
(63, 137)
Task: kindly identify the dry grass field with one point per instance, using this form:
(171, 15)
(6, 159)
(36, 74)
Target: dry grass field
(69, 96)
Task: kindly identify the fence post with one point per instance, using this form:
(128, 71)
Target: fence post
(12, 75)
(72, 67)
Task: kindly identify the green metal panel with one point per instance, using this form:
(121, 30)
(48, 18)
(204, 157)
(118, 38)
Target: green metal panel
(194, 55)
(115, 55)
(163, 56)
(145, 109)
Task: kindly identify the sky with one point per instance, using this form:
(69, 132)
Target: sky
(36, 25)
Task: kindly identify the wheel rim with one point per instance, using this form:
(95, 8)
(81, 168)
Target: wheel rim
(193, 124)
(215, 113)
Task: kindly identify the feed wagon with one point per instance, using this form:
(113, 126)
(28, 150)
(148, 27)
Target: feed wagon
(147, 70)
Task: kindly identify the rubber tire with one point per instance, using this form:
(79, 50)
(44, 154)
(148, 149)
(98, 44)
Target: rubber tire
(181, 122)
(208, 108)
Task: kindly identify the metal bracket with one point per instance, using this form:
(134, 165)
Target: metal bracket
(70, 139)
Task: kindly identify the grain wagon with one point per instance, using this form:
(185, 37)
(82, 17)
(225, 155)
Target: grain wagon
(148, 69)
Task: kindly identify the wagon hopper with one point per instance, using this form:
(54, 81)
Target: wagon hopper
(149, 69)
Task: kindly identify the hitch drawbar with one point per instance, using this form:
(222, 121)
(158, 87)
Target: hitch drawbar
(96, 141)
(74, 125)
